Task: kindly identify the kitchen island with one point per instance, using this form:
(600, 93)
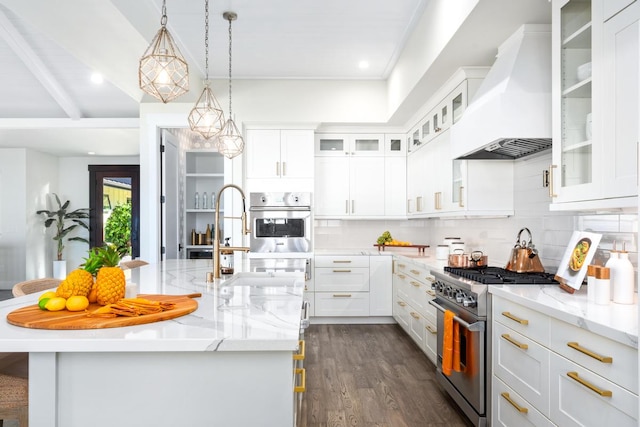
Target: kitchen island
(227, 363)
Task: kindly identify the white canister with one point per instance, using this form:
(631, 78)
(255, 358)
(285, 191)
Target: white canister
(612, 265)
(442, 252)
(624, 284)
(456, 247)
(602, 283)
(591, 282)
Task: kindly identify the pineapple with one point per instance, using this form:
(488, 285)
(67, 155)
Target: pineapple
(110, 281)
(80, 280)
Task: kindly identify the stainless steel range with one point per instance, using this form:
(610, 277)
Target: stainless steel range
(464, 292)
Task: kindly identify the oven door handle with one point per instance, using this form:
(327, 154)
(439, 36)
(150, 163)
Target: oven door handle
(473, 327)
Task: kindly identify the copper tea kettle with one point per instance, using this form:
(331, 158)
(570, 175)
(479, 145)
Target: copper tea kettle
(524, 256)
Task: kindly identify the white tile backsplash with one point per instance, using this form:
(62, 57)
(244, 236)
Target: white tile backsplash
(551, 230)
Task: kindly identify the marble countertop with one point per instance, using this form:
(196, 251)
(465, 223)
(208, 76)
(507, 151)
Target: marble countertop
(245, 312)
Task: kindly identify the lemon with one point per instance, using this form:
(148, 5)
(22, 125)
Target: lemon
(77, 303)
(55, 304)
(42, 302)
(48, 294)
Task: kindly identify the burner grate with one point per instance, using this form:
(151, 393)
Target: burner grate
(500, 276)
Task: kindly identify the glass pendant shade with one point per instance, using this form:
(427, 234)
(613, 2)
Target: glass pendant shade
(230, 141)
(163, 71)
(206, 118)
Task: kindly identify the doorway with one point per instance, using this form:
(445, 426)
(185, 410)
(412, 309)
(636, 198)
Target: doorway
(114, 190)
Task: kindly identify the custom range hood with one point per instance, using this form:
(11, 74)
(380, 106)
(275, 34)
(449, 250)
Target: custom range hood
(510, 115)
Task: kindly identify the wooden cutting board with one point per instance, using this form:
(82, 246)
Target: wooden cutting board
(33, 317)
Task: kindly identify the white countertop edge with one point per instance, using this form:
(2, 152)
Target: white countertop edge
(615, 321)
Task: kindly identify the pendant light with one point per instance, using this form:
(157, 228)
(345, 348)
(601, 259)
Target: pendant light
(163, 72)
(206, 118)
(230, 141)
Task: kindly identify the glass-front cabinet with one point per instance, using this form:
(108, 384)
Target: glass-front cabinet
(573, 142)
(330, 144)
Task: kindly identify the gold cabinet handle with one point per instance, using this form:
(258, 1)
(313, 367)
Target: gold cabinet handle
(402, 265)
(402, 276)
(284, 168)
(514, 342)
(430, 329)
(599, 358)
(277, 168)
(301, 351)
(415, 315)
(342, 295)
(460, 193)
(303, 380)
(419, 204)
(587, 384)
(416, 272)
(346, 206)
(431, 292)
(517, 319)
(513, 403)
(552, 193)
(341, 271)
(416, 284)
(402, 303)
(341, 261)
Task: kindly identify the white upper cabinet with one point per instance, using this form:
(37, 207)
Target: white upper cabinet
(395, 145)
(595, 104)
(330, 144)
(275, 153)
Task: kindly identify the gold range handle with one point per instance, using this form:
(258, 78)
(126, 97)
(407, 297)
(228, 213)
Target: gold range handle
(513, 403)
(599, 358)
(552, 193)
(514, 318)
(301, 351)
(514, 342)
(574, 376)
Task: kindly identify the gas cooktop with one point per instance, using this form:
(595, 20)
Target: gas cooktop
(500, 276)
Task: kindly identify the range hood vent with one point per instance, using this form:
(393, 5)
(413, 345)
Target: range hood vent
(510, 116)
(510, 149)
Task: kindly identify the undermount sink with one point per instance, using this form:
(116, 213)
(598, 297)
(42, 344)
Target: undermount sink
(267, 279)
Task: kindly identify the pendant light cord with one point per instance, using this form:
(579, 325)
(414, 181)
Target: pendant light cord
(206, 40)
(230, 111)
(163, 20)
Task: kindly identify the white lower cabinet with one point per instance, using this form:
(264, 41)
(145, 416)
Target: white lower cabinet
(352, 286)
(411, 295)
(548, 372)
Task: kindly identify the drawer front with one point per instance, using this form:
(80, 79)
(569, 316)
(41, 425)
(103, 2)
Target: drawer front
(509, 409)
(530, 323)
(342, 279)
(342, 304)
(401, 314)
(576, 404)
(417, 327)
(431, 341)
(341, 261)
(401, 283)
(415, 271)
(615, 361)
(523, 364)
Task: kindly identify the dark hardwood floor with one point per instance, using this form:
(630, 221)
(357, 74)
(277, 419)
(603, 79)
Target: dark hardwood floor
(372, 375)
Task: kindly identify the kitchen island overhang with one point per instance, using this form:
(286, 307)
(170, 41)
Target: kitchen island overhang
(200, 369)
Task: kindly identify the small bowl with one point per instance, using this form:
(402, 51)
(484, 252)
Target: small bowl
(584, 71)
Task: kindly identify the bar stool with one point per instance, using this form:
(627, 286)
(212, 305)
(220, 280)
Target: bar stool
(35, 285)
(14, 399)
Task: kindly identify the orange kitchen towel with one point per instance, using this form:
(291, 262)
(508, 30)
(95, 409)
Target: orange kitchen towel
(456, 347)
(447, 343)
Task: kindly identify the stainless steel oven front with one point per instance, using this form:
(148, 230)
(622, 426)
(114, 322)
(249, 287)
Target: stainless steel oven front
(281, 222)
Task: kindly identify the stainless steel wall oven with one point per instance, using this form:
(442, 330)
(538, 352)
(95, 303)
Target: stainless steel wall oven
(281, 222)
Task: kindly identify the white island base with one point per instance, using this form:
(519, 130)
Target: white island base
(161, 389)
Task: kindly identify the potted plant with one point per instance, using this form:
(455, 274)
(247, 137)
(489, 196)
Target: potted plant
(65, 221)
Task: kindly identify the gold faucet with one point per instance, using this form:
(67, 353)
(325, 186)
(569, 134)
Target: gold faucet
(216, 233)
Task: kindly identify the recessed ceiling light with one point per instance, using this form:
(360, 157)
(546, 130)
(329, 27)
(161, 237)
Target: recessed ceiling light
(97, 78)
(363, 65)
